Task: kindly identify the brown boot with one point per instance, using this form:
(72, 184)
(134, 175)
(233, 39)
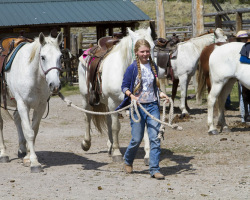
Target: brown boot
(158, 176)
(128, 168)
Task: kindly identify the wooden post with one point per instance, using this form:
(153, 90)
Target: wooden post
(197, 25)
(160, 16)
(218, 21)
(161, 31)
(197, 17)
(238, 22)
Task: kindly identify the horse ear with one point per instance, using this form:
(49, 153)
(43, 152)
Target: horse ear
(130, 32)
(149, 30)
(42, 39)
(59, 38)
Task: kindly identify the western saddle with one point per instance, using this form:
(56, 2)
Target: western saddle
(96, 55)
(7, 45)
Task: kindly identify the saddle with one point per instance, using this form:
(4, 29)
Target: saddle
(96, 55)
(6, 47)
(163, 55)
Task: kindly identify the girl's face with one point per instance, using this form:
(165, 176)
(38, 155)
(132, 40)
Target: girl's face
(143, 54)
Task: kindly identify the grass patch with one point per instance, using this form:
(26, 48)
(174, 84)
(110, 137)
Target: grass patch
(70, 90)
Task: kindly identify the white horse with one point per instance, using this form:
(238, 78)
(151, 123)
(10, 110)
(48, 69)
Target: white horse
(185, 64)
(33, 76)
(225, 69)
(113, 68)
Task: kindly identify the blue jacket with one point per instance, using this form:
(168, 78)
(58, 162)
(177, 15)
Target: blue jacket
(129, 81)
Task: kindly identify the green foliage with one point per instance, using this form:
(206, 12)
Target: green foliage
(70, 90)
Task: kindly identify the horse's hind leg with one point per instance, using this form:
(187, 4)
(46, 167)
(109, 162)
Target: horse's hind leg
(214, 93)
(3, 157)
(117, 156)
(221, 101)
(86, 143)
(146, 147)
(22, 150)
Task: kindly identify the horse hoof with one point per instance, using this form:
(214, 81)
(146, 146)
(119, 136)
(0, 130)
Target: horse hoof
(21, 154)
(26, 162)
(4, 159)
(213, 132)
(182, 116)
(146, 161)
(85, 145)
(36, 169)
(117, 158)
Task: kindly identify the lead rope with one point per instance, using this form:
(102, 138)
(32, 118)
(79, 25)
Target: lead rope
(133, 107)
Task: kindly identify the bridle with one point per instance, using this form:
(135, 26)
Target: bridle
(48, 70)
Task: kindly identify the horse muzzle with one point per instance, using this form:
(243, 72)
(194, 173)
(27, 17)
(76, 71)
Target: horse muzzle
(55, 88)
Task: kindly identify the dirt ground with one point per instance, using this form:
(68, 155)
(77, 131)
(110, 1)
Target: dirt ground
(196, 165)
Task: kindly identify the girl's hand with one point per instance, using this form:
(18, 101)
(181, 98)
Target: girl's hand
(163, 95)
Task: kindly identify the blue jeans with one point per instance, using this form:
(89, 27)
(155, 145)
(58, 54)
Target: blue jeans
(138, 133)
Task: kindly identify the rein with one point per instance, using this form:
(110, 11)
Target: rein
(133, 107)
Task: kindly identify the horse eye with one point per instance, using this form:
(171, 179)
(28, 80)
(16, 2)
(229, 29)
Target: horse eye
(43, 58)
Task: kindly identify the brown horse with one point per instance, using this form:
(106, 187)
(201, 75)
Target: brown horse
(202, 75)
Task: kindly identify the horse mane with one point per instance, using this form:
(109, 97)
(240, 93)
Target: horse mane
(193, 40)
(124, 46)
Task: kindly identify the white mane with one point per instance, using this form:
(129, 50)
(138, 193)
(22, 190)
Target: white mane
(125, 49)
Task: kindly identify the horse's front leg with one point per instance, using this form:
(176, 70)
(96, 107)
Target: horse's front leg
(22, 150)
(29, 136)
(3, 156)
(183, 86)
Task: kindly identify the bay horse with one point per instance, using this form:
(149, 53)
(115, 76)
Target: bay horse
(32, 78)
(113, 68)
(225, 69)
(185, 63)
(202, 75)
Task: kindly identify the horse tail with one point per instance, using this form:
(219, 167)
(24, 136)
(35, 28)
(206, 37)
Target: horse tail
(100, 121)
(201, 81)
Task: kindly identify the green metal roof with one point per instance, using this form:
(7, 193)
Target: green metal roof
(38, 12)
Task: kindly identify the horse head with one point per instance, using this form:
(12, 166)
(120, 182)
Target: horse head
(173, 40)
(50, 60)
(142, 34)
(219, 35)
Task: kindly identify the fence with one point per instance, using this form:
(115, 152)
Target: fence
(84, 41)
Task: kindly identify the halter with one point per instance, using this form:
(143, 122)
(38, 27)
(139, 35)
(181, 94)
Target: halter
(47, 71)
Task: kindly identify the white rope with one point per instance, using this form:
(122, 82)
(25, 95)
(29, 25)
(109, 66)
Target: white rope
(133, 106)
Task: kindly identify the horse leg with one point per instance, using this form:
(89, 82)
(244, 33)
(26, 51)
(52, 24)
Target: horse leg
(221, 103)
(146, 147)
(110, 140)
(174, 88)
(37, 116)
(29, 136)
(214, 93)
(22, 150)
(117, 156)
(187, 107)
(86, 142)
(183, 86)
(3, 156)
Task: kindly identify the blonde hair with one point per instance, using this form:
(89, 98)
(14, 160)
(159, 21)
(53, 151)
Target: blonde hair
(138, 44)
